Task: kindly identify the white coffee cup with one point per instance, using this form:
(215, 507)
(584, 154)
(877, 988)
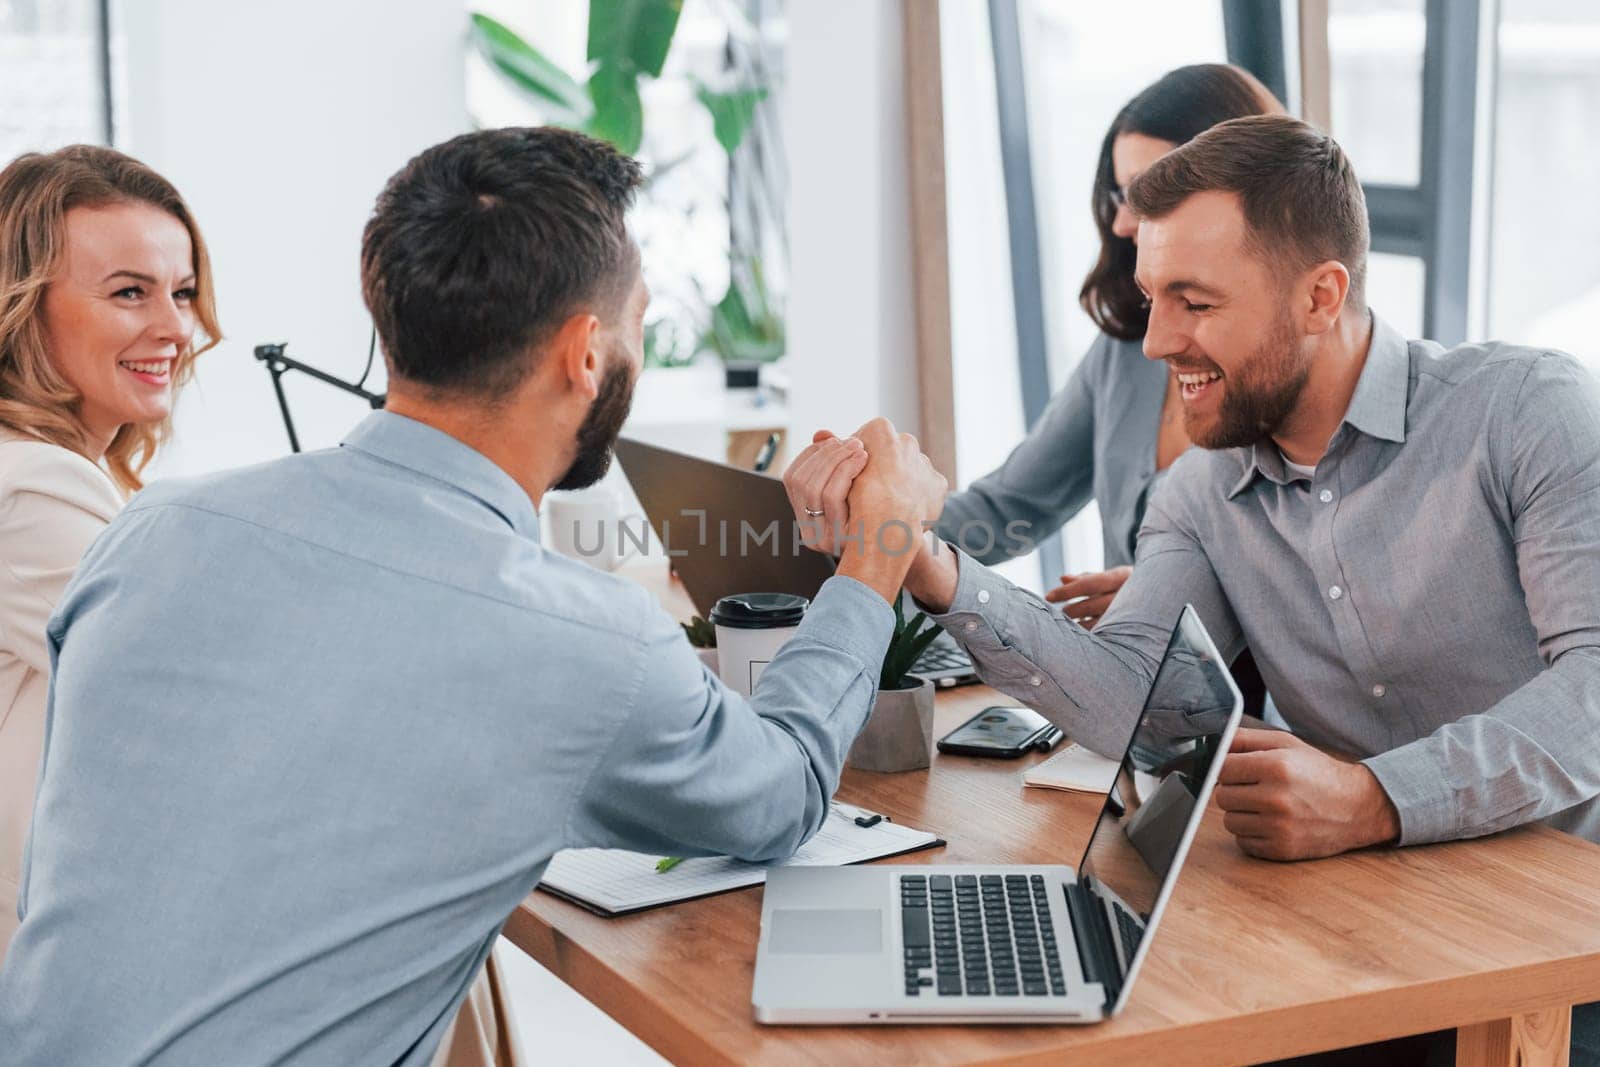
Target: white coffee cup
(589, 525)
(751, 627)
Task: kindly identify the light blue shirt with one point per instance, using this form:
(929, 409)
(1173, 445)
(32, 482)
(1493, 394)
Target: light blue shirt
(318, 726)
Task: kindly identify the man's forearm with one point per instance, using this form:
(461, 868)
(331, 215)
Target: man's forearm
(1531, 756)
(933, 574)
(882, 571)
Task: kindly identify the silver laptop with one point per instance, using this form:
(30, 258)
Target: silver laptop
(1011, 944)
(733, 531)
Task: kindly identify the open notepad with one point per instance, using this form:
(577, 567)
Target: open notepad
(1078, 769)
(611, 881)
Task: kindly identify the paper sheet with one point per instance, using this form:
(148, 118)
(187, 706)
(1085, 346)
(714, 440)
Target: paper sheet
(613, 880)
(1082, 771)
(1075, 768)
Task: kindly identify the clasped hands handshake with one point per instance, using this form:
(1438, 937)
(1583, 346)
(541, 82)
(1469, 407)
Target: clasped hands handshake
(868, 498)
(871, 497)
(840, 495)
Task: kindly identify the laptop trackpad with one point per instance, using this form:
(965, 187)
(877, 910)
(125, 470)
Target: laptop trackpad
(826, 931)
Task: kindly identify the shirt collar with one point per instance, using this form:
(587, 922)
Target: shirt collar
(418, 447)
(1377, 407)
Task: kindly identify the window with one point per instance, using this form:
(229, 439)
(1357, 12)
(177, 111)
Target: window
(53, 75)
(1375, 86)
(1030, 89)
(1542, 272)
(1404, 87)
(1394, 291)
(1082, 62)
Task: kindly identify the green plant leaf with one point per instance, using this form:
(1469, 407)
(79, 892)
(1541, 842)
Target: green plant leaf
(910, 641)
(560, 98)
(701, 633)
(731, 113)
(618, 115)
(920, 644)
(632, 34)
(744, 323)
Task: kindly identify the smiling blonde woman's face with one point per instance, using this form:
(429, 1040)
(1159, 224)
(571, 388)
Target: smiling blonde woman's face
(120, 312)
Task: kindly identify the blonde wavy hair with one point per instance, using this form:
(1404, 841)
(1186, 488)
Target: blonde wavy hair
(36, 192)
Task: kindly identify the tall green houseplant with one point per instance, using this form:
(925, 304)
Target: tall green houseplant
(628, 41)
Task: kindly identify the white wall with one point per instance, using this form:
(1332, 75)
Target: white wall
(852, 343)
(279, 123)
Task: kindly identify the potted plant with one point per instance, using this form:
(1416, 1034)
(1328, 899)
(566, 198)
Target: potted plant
(747, 329)
(628, 45)
(899, 731)
(703, 638)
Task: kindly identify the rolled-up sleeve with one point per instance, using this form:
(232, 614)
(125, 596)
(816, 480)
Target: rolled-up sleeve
(696, 769)
(1536, 752)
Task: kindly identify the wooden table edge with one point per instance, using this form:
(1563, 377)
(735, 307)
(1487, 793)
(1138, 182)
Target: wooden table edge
(1484, 1019)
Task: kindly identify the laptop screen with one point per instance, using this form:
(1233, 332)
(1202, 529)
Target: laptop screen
(1144, 828)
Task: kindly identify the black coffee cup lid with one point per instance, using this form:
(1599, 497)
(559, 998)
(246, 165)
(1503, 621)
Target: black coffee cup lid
(759, 611)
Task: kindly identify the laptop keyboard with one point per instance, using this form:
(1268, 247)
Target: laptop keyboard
(1129, 928)
(978, 936)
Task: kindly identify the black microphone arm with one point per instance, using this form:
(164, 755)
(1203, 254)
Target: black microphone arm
(278, 364)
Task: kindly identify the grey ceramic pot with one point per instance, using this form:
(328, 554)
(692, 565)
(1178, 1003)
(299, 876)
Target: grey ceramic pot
(899, 732)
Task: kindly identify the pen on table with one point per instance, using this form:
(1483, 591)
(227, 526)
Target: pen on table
(860, 816)
(768, 451)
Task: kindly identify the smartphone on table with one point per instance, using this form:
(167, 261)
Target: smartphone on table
(1002, 732)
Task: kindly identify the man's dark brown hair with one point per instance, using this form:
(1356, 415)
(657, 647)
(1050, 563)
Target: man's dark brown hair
(480, 247)
(1301, 198)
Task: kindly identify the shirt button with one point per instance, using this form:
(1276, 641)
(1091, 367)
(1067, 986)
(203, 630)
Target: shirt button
(1034, 679)
(1326, 496)
(1334, 592)
(983, 596)
(1379, 689)
(971, 626)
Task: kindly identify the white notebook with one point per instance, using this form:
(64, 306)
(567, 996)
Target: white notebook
(611, 881)
(1082, 771)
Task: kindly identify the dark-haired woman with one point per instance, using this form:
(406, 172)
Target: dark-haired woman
(1117, 424)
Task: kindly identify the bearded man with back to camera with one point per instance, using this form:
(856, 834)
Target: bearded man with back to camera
(319, 725)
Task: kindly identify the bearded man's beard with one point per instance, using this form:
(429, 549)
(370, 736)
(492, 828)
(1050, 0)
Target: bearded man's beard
(1258, 397)
(600, 428)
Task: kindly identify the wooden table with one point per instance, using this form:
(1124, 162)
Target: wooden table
(1253, 961)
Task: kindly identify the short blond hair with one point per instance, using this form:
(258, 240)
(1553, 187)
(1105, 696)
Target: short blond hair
(36, 192)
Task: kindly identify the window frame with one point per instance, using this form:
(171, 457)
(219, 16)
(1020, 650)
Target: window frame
(1434, 220)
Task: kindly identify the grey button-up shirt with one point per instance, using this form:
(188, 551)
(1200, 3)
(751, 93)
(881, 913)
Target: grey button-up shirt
(1096, 440)
(1429, 601)
(317, 727)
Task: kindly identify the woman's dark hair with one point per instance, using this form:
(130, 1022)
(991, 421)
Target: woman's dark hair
(1179, 106)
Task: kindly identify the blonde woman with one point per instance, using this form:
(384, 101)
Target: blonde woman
(105, 302)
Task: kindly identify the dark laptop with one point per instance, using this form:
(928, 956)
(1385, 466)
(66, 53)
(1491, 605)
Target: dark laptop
(728, 530)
